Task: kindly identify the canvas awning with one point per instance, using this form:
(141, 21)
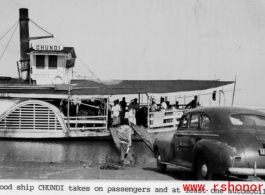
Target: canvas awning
(111, 87)
(144, 86)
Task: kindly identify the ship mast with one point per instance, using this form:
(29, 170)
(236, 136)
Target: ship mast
(24, 43)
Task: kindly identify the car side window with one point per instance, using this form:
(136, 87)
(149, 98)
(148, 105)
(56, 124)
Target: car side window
(184, 122)
(247, 120)
(205, 122)
(236, 120)
(194, 121)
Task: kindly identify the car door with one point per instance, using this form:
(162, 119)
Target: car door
(177, 140)
(189, 139)
(199, 125)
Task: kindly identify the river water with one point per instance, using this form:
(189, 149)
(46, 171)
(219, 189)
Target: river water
(64, 150)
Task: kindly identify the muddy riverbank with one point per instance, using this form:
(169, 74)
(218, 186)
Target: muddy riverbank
(80, 171)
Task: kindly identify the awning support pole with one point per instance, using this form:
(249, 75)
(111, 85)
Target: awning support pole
(107, 112)
(148, 122)
(68, 111)
(234, 92)
(139, 97)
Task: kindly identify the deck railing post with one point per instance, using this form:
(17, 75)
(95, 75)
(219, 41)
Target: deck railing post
(148, 119)
(68, 111)
(107, 113)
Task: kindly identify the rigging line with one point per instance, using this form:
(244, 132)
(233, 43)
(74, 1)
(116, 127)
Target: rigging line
(84, 65)
(92, 72)
(8, 42)
(40, 27)
(8, 30)
(59, 41)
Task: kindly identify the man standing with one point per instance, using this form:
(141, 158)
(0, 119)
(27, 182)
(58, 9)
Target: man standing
(163, 104)
(136, 107)
(123, 104)
(116, 113)
(193, 104)
(124, 133)
(153, 106)
(131, 113)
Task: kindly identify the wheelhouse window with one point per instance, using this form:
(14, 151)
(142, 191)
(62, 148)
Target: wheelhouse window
(40, 61)
(248, 120)
(52, 62)
(205, 122)
(194, 121)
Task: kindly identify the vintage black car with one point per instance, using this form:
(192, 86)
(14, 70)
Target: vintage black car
(214, 141)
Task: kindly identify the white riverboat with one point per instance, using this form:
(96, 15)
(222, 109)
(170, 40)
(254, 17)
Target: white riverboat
(46, 101)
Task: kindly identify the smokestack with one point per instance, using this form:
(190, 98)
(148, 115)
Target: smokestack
(24, 43)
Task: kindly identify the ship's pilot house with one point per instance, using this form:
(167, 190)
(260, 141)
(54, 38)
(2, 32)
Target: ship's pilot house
(51, 64)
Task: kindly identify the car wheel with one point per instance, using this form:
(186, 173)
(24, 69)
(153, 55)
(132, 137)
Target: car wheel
(160, 167)
(203, 169)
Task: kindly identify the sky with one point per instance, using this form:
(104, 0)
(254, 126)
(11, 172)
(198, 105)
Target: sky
(151, 39)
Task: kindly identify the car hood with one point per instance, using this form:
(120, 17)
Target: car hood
(252, 141)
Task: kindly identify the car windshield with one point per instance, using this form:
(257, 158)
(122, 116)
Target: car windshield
(248, 120)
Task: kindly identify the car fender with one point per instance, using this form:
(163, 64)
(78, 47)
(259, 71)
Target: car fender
(219, 154)
(164, 147)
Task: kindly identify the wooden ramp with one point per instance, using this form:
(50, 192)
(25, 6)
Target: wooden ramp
(116, 140)
(144, 135)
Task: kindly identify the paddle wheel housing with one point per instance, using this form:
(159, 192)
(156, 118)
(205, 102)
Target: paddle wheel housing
(31, 119)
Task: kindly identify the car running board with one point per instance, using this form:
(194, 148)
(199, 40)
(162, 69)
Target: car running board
(174, 165)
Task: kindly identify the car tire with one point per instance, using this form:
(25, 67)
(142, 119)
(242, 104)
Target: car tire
(160, 167)
(203, 170)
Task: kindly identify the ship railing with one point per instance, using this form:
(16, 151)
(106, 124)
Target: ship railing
(85, 123)
(164, 120)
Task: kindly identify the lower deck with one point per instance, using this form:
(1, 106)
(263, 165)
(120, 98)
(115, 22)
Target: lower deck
(41, 119)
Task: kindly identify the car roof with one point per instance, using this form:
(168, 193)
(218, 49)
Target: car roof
(220, 115)
(210, 110)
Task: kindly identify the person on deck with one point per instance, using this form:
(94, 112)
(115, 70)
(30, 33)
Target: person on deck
(116, 113)
(137, 108)
(136, 104)
(131, 113)
(153, 106)
(193, 104)
(177, 105)
(163, 104)
(123, 104)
